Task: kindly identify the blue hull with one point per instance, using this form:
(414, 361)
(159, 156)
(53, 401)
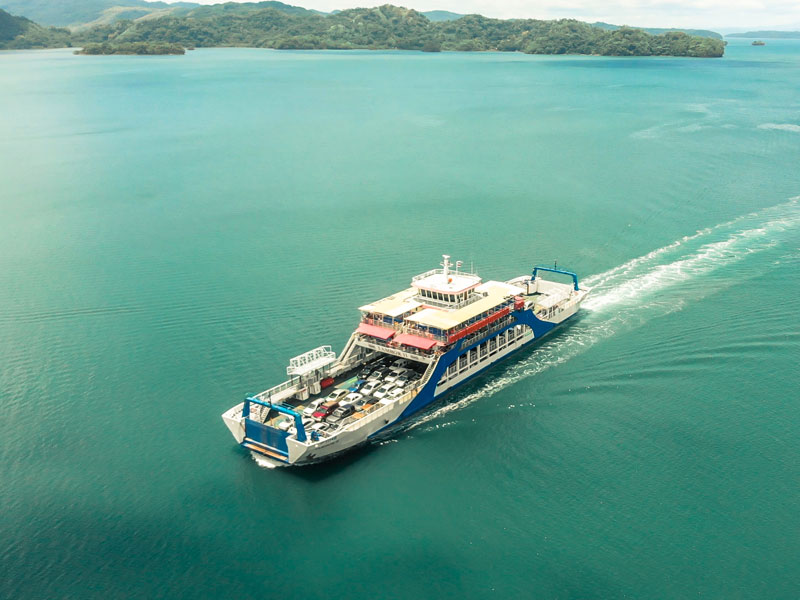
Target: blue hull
(427, 394)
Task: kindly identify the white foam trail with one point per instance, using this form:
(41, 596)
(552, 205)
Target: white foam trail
(263, 461)
(624, 269)
(631, 294)
(781, 127)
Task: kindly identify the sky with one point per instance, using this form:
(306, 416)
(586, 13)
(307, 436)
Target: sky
(726, 15)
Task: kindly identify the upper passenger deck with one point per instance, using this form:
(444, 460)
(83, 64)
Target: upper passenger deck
(440, 307)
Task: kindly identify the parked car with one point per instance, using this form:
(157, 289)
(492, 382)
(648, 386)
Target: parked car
(337, 394)
(312, 407)
(357, 385)
(394, 394)
(325, 409)
(340, 414)
(400, 363)
(361, 402)
(321, 426)
(370, 387)
(381, 392)
(391, 377)
(369, 402)
(365, 373)
(401, 381)
(285, 424)
(381, 373)
(351, 398)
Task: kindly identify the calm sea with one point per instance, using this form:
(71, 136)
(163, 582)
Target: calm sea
(173, 229)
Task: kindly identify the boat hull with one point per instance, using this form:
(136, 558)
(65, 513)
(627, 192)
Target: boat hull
(396, 417)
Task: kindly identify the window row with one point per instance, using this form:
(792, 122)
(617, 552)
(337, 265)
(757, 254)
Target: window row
(441, 297)
(484, 351)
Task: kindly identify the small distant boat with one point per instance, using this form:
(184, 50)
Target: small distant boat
(758, 43)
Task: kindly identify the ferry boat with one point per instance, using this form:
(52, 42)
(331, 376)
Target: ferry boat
(409, 350)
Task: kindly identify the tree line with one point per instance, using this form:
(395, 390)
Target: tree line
(389, 27)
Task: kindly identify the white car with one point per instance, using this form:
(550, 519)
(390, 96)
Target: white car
(393, 376)
(401, 381)
(370, 387)
(309, 410)
(381, 392)
(393, 395)
(351, 398)
(400, 363)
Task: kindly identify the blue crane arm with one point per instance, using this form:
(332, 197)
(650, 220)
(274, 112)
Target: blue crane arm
(553, 270)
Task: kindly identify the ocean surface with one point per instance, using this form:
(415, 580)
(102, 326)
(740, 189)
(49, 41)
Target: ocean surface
(174, 229)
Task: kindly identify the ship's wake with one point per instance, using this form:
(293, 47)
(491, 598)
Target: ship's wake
(653, 285)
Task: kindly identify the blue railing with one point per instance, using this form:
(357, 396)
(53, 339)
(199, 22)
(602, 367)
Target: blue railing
(298, 419)
(554, 270)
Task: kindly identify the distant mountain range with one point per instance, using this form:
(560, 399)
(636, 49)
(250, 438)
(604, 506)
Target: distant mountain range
(77, 13)
(788, 35)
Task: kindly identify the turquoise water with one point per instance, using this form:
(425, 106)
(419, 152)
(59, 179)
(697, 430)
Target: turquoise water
(173, 229)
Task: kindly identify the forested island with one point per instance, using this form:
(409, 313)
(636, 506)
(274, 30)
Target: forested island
(385, 27)
(158, 48)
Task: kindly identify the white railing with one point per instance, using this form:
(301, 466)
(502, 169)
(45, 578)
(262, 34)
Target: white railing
(380, 323)
(456, 272)
(278, 392)
(311, 360)
(451, 305)
(482, 333)
(410, 353)
(341, 367)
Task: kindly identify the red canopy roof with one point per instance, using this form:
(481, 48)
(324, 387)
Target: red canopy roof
(382, 333)
(415, 341)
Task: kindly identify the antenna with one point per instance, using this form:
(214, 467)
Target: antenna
(446, 265)
(458, 265)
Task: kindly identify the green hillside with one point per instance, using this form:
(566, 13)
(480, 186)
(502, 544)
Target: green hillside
(61, 13)
(660, 30)
(391, 27)
(281, 26)
(18, 33)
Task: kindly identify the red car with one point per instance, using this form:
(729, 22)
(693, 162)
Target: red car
(325, 409)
